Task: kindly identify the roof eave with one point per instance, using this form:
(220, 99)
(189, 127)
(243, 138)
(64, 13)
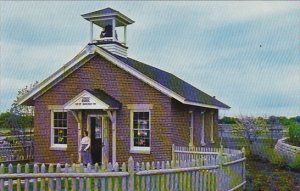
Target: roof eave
(91, 49)
(28, 98)
(91, 17)
(205, 105)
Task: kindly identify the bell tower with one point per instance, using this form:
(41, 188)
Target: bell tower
(109, 20)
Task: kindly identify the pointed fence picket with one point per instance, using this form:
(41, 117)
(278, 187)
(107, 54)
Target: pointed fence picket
(223, 170)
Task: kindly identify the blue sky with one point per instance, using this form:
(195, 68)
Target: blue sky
(215, 46)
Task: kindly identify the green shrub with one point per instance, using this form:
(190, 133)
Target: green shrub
(273, 156)
(296, 163)
(277, 159)
(294, 133)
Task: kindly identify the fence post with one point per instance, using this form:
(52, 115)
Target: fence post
(116, 183)
(10, 181)
(124, 186)
(220, 170)
(103, 169)
(142, 178)
(81, 180)
(88, 180)
(1, 181)
(66, 180)
(109, 179)
(131, 174)
(26, 185)
(18, 180)
(73, 179)
(148, 178)
(173, 152)
(244, 167)
(96, 179)
(58, 180)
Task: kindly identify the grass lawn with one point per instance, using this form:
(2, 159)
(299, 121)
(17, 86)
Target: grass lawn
(262, 176)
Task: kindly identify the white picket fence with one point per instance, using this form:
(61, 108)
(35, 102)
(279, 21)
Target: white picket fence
(226, 173)
(230, 163)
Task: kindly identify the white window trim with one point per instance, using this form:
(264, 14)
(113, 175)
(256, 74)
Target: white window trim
(135, 149)
(55, 107)
(140, 106)
(53, 146)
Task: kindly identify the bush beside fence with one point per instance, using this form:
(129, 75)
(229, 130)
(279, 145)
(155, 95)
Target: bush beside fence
(16, 153)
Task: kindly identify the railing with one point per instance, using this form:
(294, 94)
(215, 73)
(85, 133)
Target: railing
(207, 155)
(273, 132)
(230, 163)
(134, 176)
(107, 39)
(16, 153)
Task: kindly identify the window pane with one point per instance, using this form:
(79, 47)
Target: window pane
(60, 136)
(55, 123)
(55, 115)
(55, 140)
(64, 123)
(64, 115)
(136, 116)
(147, 143)
(145, 115)
(141, 142)
(59, 114)
(64, 140)
(141, 132)
(135, 124)
(60, 140)
(65, 133)
(144, 124)
(141, 138)
(60, 119)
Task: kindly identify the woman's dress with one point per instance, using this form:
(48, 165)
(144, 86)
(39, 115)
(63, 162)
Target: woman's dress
(86, 155)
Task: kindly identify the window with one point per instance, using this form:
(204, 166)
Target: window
(59, 129)
(140, 131)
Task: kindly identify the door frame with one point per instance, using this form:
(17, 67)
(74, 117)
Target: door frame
(102, 126)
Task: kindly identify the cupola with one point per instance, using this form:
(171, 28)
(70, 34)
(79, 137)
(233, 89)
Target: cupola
(109, 20)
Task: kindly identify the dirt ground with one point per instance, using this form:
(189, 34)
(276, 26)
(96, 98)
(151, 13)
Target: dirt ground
(262, 176)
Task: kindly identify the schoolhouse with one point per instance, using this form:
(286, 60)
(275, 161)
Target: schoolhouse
(128, 107)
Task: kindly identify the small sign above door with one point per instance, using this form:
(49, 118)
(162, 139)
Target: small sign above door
(85, 100)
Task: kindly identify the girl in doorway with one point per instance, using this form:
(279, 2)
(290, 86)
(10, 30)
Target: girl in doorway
(85, 149)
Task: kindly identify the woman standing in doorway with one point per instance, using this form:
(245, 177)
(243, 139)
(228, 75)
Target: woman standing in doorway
(85, 149)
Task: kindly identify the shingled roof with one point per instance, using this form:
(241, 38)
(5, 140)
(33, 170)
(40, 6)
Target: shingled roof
(172, 82)
(103, 96)
(106, 13)
(164, 81)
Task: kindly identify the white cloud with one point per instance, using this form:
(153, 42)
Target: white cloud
(245, 11)
(19, 59)
(175, 36)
